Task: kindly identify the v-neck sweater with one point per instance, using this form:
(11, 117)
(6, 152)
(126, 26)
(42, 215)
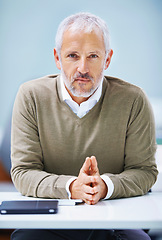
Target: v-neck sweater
(49, 142)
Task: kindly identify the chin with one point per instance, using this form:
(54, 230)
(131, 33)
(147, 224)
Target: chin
(84, 94)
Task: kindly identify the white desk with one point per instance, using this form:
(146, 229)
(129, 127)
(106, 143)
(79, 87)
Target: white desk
(139, 212)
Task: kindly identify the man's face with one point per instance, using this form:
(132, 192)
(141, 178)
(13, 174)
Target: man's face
(83, 60)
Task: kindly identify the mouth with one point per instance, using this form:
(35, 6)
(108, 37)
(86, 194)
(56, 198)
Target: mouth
(82, 80)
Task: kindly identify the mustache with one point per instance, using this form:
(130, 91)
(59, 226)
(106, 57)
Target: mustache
(82, 75)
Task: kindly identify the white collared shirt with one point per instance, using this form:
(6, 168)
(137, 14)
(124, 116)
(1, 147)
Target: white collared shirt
(81, 110)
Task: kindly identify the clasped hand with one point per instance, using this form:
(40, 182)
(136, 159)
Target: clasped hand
(89, 186)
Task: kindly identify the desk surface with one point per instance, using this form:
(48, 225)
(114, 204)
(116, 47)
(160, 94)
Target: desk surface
(144, 212)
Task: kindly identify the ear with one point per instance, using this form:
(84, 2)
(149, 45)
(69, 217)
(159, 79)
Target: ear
(108, 60)
(57, 59)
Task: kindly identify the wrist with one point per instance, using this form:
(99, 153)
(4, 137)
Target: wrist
(68, 186)
(71, 186)
(109, 184)
(105, 189)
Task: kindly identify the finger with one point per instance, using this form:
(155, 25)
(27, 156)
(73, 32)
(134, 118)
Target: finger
(90, 195)
(96, 198)
(101, 190)
(87, 198)
(80, 191)
(86, 180)
(86, 166)
(95, 180)
(89, 190)
(88, 202)
(94, 167)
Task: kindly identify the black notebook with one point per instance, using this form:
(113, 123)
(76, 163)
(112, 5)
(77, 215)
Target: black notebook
(29, 207)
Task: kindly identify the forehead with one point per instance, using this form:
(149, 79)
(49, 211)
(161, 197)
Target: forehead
(83, 40)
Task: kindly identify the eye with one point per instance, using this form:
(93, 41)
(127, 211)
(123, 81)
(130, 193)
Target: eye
(73, 55)
(93, 56)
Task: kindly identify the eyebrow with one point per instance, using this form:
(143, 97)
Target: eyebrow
(92, 52)
(70, 52)
(96, 52)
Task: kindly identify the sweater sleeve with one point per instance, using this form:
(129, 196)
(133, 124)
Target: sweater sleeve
(27, 169)
(140, 170)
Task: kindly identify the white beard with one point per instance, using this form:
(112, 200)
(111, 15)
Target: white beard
(81, 93)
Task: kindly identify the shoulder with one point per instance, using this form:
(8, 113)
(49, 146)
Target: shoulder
(122, 89)
(38, 91)
(41, 87)
(124, 95)
(119, 84)
(38, 84)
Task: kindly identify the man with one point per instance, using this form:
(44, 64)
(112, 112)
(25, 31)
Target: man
(82, 120)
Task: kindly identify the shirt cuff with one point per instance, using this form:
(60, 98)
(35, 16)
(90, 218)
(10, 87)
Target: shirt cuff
(109, 184)
(68, 185)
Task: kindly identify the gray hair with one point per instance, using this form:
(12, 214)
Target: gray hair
(82, 21)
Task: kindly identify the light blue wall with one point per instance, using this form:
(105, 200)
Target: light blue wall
(28, 27)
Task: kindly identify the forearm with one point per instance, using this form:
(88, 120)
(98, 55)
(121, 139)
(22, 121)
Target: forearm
(37, 183)
(133, 182)
(53, 187)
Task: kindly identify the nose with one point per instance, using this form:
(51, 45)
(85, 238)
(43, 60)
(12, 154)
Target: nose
(83, 66)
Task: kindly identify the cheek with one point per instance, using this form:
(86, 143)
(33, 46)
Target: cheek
(97, 70)
(97, 66)
(69, 68)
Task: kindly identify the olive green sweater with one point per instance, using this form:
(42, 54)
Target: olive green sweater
(49, 142)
